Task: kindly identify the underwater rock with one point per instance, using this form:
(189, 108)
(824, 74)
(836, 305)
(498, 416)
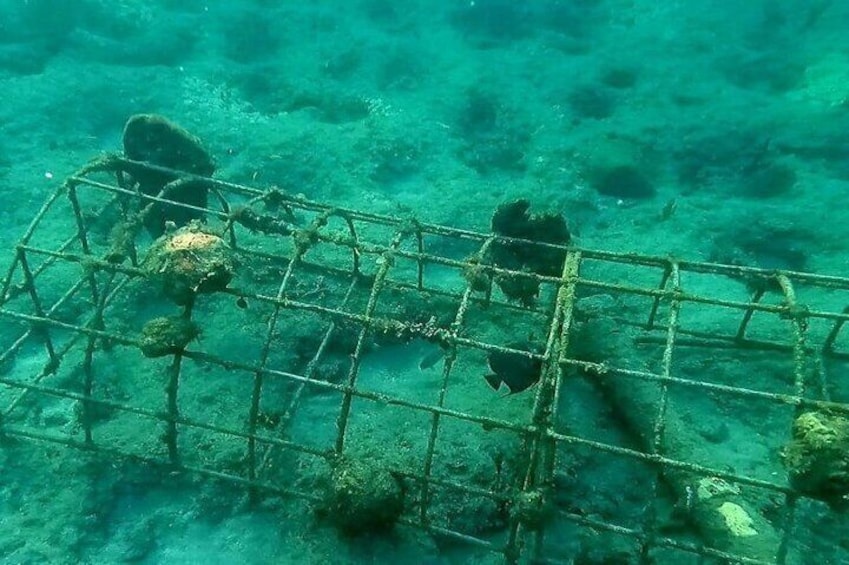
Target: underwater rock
(188, 262)
(153, 139)
(817, 457)
(362, 497)
(167, 336)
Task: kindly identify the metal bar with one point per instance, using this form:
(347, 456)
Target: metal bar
(655, 446)
(557, 344)
(747, 317)
(356, 358)
(70, 344)
(297, 202)
(669, 463)
(788, 399)
(39, 311)
(667, 272)
(159, 415)
(799, 325)
(448, 365)
(256, 393)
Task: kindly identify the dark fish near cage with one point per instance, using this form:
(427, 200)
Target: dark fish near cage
(515, 371)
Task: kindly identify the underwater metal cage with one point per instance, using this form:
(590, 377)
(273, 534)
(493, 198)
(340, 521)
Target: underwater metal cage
(242, 349)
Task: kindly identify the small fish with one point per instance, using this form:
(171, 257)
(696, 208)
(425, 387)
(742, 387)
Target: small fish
(431, 359)
(513, 370)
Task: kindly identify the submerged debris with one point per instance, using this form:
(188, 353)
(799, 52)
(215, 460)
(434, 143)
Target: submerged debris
(153, 139)
(513, 220)
(818, 457)
(167, 336)
(362, 497)
(190, 261)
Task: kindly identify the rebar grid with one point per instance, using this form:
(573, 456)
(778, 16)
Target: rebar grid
(108, 271)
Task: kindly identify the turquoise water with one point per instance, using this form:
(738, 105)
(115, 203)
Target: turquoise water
(707, 130)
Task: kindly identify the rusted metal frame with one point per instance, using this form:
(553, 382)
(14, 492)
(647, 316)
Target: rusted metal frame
(380, 398)
(39, 216)
(18, 343)
(797, 316)
(711, 341)
(6, 287)
(82, 231)
(311, 368)
(419, 263)
(747, 316)
(350, 386)
(788, 399)
(308, 205)
(179, 177)
(76, 334)
(89, 261)
(448, 365)
(7, 291)
(666, 462)
(385, 323)
(493, 495)
(172, 389)
(28, 234)
(439, 230)
(89, 275)
(151, 198)
(96, 322)
(342, 388)
(234, 479)
(553, 376)
(452, 535)
(419, 256)
(660, 541)
(53, 362)
(344, 273)
(258, 375)
(649, 527)
(828, 345)
(157, 415)
(667, 272)
(256, 392)
(119, 454)
(225, 207)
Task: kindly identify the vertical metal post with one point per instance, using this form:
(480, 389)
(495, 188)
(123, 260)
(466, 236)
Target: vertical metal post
(656, 446)
(43, 332)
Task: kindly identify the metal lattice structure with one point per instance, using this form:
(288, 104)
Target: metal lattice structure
(376, 279)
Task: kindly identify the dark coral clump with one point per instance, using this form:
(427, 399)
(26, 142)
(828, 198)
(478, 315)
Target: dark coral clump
(362, 498)
(153, 139)
(514, 221)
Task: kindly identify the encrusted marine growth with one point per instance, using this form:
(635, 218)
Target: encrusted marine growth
(190, 261)
(514, 220)
(818, 457)
(155, 140)
(167, 336)
(362, 497)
